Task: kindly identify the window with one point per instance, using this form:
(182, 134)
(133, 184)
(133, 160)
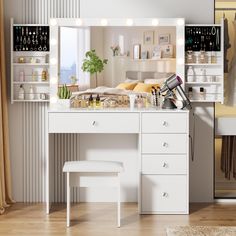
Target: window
(74, 43)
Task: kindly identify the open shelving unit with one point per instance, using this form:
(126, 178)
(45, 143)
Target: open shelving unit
(208, 76)
(30, 51)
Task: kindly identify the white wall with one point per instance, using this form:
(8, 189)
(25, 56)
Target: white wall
(194, 11)
(201, 11)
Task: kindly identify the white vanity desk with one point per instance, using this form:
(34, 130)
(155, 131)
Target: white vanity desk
(163, 151)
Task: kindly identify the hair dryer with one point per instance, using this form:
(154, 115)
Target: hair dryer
(174, 82)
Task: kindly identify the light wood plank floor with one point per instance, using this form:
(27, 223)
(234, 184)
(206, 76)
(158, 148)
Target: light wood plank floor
(99, 219)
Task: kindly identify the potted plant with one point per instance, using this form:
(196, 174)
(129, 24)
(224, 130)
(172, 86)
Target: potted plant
(64, 95)
(93, 64)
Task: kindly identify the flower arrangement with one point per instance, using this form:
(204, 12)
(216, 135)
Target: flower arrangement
(115, 50)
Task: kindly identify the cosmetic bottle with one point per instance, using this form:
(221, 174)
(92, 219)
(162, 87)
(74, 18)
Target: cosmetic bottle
(83, 102)
(90, 103)
(140, 102)
(202, 94)
(190, 93)
(21, 95)
(31, 93)
(98, 102)
(190, 74)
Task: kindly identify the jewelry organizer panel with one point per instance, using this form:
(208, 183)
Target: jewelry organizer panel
(204, 63)
(205, 38)
(30, 53)
(31, 38)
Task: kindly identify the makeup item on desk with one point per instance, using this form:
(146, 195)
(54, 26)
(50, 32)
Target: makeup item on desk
(132, 98)
(42, 96)
(21, 95)
(21, 60)
(83, 102)
(190, 74)
(98, 102)
(140, 101)
(90, 101)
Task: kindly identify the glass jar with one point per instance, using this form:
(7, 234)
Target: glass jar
(202, 57)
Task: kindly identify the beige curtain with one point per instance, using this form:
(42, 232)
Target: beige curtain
(5, 174)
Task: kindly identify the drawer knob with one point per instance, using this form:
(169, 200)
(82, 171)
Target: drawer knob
(165, 165)
(165, 123)
(94, 123)
(165, 144)
(165, 194)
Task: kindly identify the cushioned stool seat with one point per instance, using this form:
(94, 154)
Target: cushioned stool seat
(77, 171)
(93, 166)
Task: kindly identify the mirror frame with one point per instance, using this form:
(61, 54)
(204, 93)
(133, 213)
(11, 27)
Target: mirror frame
(56, 23)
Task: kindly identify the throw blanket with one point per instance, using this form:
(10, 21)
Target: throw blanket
(228, 156)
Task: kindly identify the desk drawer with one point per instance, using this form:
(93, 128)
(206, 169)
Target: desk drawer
(164, 164)
(93, 122)
(164, 194)
(164, 143)
(164, 123)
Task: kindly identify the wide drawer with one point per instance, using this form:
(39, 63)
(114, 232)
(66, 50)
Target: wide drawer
(164, 143)
(164, 164)
(93, 122)
(164, 123)
(164, 194)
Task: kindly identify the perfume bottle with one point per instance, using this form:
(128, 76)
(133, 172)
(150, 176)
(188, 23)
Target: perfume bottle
(83, 102)
(90, 101)
(98, 102)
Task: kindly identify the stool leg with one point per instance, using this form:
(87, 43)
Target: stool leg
(68, 200)
(118, 201)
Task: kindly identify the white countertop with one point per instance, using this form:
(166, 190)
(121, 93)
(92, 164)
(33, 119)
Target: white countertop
(111, 110)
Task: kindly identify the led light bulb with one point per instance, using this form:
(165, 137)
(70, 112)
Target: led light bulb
(53, 42)
(180, 22)
(180, 42)
(155, 22)
(180, 61)
(79, 22)
(129, 22)
(53, 80)
(53, 22)
(53, 61)
(104, 22)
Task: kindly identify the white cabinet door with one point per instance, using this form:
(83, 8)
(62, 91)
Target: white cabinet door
(164, 143)
(164, 194)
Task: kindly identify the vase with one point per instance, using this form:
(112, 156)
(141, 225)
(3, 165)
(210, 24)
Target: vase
(64, 103)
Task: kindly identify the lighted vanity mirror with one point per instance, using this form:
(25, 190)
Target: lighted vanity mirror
(88, 53)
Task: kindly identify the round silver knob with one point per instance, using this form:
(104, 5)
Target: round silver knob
(165, 194)
(165, 144)
(165, 123)
(165, 165)
(94, 123)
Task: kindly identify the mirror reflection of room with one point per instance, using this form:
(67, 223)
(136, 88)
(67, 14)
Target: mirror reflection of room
(129, 58)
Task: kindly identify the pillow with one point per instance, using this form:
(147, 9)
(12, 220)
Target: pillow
(132, 80)
(155, 81)
(145, 88)
(127, 86)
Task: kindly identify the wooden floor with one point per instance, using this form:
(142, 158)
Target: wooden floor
(99, 219)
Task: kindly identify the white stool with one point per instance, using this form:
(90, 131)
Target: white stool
(92, 173)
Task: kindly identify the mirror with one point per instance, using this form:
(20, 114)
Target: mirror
(132, 53)
(123, 50)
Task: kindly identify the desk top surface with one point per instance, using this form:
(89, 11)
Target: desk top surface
(114, 110)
